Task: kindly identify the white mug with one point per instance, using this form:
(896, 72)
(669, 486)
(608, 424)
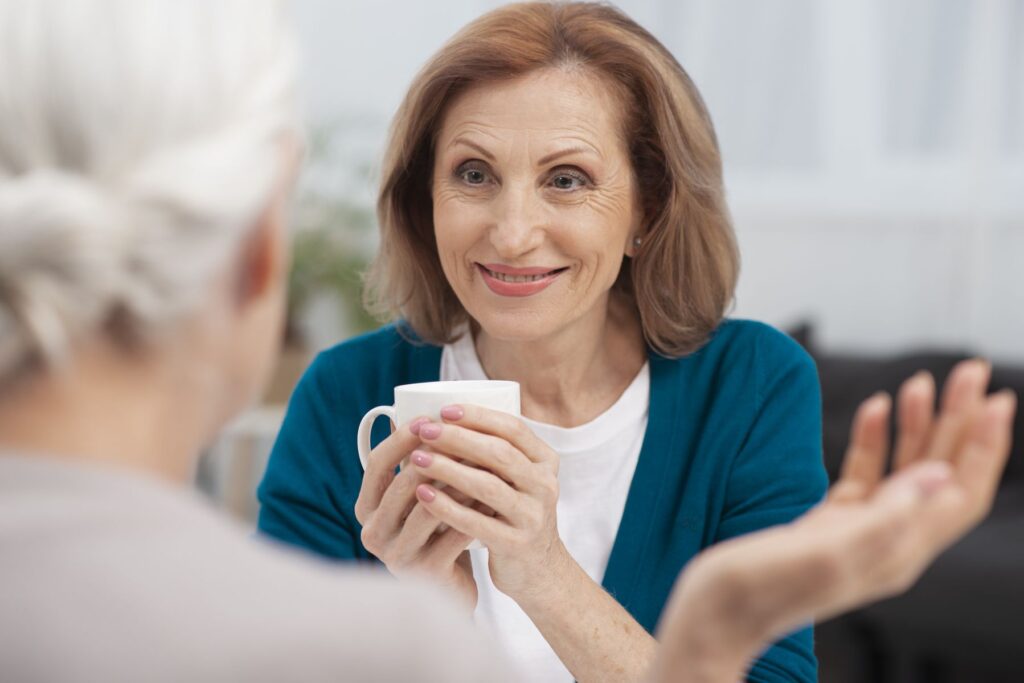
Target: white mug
(426, 400)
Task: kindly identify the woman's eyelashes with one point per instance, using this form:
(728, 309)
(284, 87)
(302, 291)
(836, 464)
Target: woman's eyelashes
(476, 173)
(568, 178)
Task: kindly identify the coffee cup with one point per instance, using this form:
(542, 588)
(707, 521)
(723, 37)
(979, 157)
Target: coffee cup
(426, 399)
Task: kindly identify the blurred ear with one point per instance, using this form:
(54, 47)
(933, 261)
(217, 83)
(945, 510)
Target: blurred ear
(265, 254)
(263, 267)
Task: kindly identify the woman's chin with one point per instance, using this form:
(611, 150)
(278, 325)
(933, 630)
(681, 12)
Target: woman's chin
(519, 326)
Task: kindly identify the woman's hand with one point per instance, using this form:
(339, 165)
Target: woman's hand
(402, 533)
(872, 537)
(494, 458)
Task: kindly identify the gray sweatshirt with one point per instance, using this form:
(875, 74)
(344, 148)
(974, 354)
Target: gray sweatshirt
(113, 576)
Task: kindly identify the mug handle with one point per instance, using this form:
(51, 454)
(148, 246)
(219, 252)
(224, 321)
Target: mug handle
(365, 425)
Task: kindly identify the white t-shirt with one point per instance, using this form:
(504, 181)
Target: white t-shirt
(597, 462)
(111, 576)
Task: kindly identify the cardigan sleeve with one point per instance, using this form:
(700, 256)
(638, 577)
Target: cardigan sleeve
(777, 476)
(300, 495)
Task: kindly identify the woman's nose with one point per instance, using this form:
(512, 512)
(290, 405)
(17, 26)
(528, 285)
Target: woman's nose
(518, 225)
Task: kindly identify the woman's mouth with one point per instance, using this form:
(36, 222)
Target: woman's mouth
(517, 282)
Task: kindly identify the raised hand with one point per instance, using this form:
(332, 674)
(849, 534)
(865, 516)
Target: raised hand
(871, 538)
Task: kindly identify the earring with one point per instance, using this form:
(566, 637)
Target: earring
(637, 241)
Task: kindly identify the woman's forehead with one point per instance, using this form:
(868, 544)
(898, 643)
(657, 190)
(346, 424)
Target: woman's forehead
(554, 104)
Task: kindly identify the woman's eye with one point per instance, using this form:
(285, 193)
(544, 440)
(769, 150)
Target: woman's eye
(473, 176)
(568, 181)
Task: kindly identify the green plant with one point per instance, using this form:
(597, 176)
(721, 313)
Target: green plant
(331, 244)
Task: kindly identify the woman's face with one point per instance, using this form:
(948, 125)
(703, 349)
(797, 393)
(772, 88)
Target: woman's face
(534, 201)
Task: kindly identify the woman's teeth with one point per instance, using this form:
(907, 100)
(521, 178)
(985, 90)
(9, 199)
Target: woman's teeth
(517, 278)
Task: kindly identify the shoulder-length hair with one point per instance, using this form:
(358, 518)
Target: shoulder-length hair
(683, 276)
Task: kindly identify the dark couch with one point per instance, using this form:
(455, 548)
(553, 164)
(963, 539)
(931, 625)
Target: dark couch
(964, 620)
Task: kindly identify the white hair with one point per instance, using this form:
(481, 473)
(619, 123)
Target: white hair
(139, 140)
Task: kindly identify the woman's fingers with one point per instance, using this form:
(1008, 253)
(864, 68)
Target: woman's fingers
(480, 485)
(415, 533)
(963, 394)
(864, 463)
(502, 425)
(380, 467)
(385, 523)
(493, 453)
(980, 465)
(447, 547)
(916, 406)
(470, 522)
(968, 379)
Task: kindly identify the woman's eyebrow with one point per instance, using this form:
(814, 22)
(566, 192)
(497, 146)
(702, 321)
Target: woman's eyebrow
(469, 143)
(548, 158)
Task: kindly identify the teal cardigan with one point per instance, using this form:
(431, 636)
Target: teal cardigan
(733, 445)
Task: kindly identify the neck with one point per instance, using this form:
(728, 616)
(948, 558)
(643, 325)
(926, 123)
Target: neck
(570, 377)
(142, 414)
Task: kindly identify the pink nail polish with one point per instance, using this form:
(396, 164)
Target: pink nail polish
(422, 459)
(452, 413)
(425, 493)
(415, 425)
(430, 430)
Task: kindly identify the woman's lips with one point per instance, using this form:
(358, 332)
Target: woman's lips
(506, 281)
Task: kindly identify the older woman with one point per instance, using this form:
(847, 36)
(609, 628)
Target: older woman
(552, 212)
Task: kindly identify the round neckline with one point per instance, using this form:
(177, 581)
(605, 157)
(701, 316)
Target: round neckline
(459, 360)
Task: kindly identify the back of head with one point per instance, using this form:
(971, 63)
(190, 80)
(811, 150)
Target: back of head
(138, 141)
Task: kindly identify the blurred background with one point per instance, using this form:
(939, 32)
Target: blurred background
(874, 159)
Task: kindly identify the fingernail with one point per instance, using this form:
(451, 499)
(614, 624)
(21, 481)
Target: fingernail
(921, 379)
(426, 493)
(429, 430)
(415, 425)
(1007, 402)
(452, 413)
(422, 458)
(986, 369)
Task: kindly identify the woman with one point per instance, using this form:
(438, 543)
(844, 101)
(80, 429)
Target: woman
(552, 212)
(144, 176)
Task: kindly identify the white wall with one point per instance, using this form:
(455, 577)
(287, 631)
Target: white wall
(874, 149)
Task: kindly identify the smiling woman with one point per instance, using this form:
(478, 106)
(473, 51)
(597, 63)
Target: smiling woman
(552, 212)
(534, 194)
(619, 120)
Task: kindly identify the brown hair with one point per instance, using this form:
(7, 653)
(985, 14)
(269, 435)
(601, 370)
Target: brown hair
(683, 276)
